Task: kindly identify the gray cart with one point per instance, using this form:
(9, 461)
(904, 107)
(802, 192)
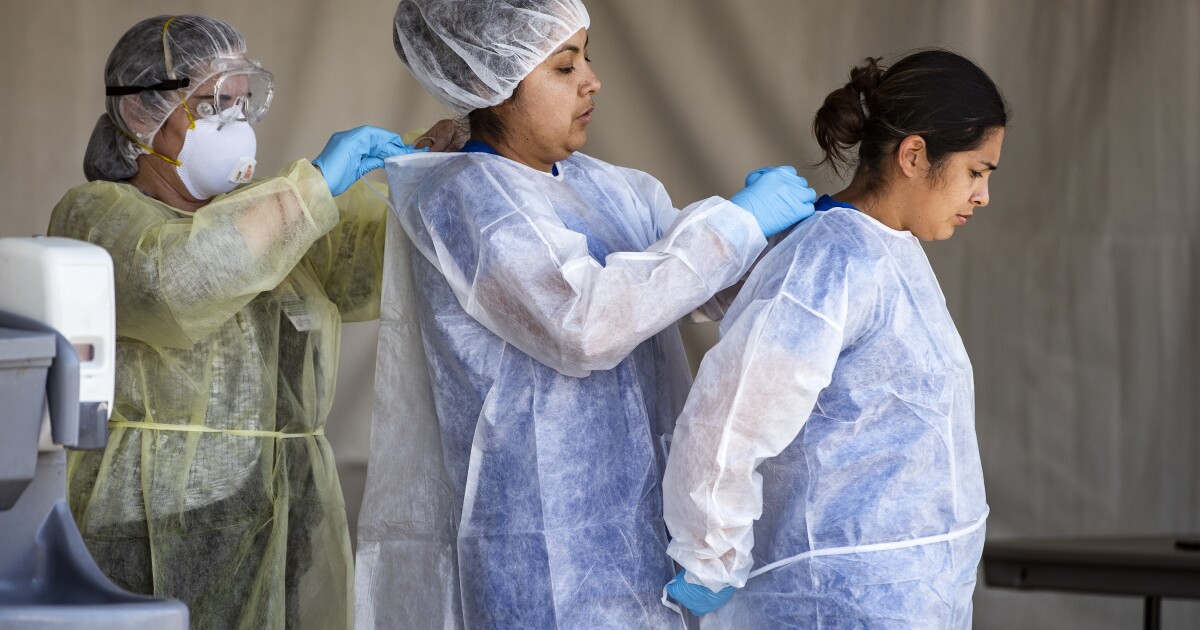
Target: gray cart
(47, 577)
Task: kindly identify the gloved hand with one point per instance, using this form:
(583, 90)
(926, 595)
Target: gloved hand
(777, 197)
(695, 597)
(351, 154)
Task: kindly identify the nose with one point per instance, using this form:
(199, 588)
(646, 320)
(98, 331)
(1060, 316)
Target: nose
(591, 82)
(981, 196)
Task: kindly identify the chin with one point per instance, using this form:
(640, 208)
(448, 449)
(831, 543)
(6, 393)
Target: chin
(576, 142)
(562, 155)
(939, 235)
(934, 236)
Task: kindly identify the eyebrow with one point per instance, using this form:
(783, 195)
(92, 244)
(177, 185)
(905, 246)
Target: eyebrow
(989, 165)
(568, 47)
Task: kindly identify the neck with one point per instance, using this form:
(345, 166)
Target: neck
(882, 202)
(519, 153)
(158, 179)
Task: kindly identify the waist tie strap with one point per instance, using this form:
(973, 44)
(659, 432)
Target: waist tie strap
(197, 428)
(887, 546)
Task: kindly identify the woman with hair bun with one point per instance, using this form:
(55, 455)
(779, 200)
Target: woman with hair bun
(825, 464)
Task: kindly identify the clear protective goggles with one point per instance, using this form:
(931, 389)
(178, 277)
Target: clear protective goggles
(242, 89)
(238, 94)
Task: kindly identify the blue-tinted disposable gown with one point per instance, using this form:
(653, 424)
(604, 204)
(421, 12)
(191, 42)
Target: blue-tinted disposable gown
(218, 486)
(826, 460)
(545, 311)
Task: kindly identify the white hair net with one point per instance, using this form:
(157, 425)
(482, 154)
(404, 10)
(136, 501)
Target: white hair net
(471, 54)
(140, 58)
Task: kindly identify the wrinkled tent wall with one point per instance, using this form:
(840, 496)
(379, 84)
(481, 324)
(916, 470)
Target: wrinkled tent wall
(1074, 290)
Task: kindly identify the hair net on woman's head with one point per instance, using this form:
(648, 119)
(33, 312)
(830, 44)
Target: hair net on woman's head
(472, 54)
(140, 59)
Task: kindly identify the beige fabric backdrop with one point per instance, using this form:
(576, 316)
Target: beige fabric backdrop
(1074, 291)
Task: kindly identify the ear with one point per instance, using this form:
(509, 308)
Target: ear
(910, 156)
(131, 114)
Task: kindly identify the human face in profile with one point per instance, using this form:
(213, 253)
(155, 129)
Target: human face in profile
(953, 192)
(547, 118)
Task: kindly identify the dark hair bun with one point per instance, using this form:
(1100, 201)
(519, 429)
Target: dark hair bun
(842, 119)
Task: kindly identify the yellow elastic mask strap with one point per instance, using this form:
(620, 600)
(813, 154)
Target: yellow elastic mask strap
(149, 150)
(191, 118)
(171, 75)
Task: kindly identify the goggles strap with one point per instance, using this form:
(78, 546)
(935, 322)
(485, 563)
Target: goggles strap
(161, 86)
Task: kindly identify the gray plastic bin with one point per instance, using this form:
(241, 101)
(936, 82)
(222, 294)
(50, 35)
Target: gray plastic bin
(24, 359)
(47, 578)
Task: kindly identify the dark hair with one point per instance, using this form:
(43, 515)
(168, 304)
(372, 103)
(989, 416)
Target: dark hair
(936, 94)
(486, 124)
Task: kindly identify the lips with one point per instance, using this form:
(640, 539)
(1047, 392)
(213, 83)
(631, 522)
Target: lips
(586, 116)
(962, 218)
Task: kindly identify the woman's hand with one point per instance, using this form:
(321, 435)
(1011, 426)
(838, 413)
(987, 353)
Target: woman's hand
(777, 197)
(696, 597)
(351, 154)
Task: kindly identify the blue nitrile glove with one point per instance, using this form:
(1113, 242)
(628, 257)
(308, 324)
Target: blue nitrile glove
(351, 154)
(695, 597)
(777, 197)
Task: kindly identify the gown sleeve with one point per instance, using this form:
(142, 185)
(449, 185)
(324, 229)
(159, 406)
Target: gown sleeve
(754, 392)
(348, 259)
(180, 276)
(520, 271)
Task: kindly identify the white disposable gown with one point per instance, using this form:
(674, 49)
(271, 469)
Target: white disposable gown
(826, 460)
(544, 310)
